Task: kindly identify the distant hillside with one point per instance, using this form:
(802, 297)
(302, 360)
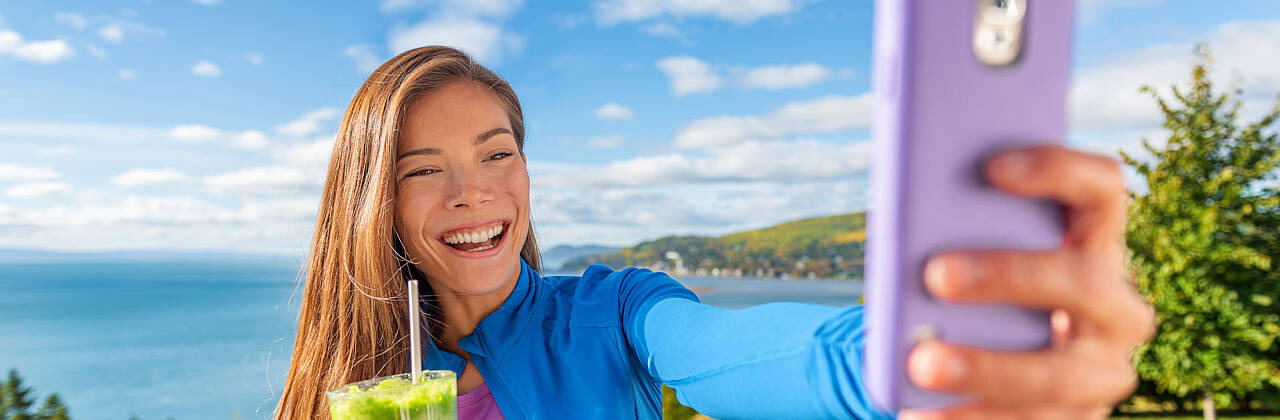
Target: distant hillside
(824, 247)
(554, 258)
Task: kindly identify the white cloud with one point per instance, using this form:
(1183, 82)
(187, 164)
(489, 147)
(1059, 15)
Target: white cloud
(127, 74)
(9, 40)
(309, 123)
(37, 190)
(613, 111)
(664, 30)
(485, 41)
(208, 2)
(473, 26)
(103, 220)
(827, 114)
(43, 51)
(250, 139)
(194, 133)
(309, 155)
(113, 33)
(568, 21)
(170, 212)
(142, 177)
(1106, 96)
(751, 161)
(1091, 10)
(111, 27)
(609, 12)
(689, 75)
(605, 142)
(255, 59)
(735, 190)
(85, 132)
(15, 172)
(261, 180)
(199, 133)
(784, 76)
(487, 8)
(396, 5)
(77, 132)
(56, 151)
(74, 20)
(625, 216)
(364, 57)
(51, 51)
(96, 51)
(206, 68)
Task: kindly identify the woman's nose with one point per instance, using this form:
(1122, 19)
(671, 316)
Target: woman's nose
(469, 188)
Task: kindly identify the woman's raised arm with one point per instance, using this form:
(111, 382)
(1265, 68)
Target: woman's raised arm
(777, 360)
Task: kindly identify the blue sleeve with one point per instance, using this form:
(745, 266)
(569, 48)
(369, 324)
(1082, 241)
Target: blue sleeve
(777, 360)
(639, 290)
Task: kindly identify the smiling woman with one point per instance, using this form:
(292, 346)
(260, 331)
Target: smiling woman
(428, 181)
(391, 201)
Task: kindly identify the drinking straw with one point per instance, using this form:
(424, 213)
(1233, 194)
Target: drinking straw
(415, 348)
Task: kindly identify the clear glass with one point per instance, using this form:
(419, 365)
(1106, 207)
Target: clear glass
(434, 397)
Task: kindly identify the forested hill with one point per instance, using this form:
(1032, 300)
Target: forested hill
(823, 247)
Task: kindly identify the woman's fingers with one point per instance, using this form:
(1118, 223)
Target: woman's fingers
(1098, 315)
(1084, 375)
(1090, 186)
(1095, 296)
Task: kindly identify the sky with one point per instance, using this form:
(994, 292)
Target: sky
(206, 125)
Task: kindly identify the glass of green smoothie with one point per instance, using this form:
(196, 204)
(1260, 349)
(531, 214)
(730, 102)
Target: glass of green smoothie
(433, 397)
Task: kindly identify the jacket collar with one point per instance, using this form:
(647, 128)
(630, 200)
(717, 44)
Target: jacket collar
(497, 333)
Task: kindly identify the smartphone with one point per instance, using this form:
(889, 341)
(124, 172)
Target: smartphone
(956, 81)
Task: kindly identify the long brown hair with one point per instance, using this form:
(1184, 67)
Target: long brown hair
(353, 323)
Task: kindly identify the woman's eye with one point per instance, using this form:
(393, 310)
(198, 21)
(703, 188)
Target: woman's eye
(499, 156)
(425, 171)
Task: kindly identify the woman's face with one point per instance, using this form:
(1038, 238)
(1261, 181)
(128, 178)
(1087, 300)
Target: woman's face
(462, 199)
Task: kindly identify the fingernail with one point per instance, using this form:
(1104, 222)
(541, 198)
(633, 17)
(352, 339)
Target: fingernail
(1012, 164)
(915, 415)
(932, 366)
(950, 274)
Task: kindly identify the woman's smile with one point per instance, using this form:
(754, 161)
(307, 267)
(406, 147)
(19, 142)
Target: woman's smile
(474, 239)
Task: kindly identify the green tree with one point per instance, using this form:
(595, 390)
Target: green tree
(672, 409)
(53, 409)
(1205, 247)
(16, 401)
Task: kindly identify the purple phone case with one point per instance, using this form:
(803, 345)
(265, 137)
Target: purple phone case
(940, 114)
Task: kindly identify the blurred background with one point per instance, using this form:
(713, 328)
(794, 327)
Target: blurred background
(161, 164)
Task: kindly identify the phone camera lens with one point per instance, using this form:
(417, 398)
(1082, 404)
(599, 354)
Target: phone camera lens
(1005, 11)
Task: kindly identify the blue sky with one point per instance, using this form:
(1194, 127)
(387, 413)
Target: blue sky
(205, 125)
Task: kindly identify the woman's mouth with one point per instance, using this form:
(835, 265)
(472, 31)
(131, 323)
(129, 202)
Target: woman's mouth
(476, 239)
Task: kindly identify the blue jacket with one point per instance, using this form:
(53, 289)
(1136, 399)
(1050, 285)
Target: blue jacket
(599, 346)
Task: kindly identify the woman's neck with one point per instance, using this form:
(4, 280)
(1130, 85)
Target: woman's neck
(462, 313)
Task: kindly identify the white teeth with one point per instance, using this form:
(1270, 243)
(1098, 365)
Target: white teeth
(473, 237)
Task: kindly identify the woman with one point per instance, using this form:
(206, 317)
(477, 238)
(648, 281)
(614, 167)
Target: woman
(428, 180)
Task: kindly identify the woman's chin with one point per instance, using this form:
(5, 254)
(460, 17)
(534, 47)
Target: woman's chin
(482, 277)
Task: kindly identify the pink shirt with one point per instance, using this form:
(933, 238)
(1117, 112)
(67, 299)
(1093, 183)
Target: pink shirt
(478, 405)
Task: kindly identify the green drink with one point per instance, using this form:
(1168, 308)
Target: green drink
(434, 397)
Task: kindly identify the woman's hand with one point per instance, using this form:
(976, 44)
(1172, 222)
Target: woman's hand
(1098, 318)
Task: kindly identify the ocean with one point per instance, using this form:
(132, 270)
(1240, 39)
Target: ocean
(205, 339)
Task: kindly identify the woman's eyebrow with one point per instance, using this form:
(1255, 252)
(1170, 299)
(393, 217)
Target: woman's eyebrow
(481, 138)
